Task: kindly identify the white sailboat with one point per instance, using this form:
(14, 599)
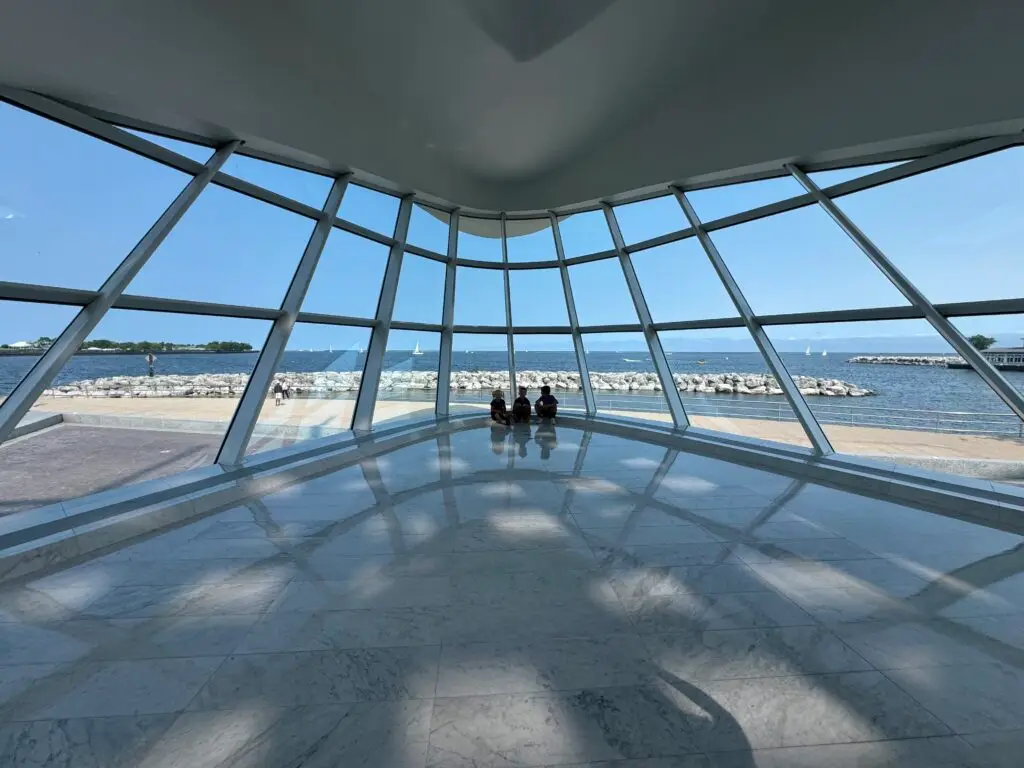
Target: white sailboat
(807, 352)
(824, 353)
(417, 351)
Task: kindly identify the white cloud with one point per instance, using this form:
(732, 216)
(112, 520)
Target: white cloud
(7, 214)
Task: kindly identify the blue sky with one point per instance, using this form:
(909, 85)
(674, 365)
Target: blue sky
(71, 207)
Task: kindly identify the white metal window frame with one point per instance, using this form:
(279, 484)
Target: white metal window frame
(94, 304)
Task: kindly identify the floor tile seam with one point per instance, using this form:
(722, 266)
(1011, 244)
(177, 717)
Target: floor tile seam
(653, 685)
(916, 700)
(887, 740)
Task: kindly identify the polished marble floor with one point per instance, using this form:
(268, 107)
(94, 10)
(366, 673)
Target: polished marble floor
(534, 598)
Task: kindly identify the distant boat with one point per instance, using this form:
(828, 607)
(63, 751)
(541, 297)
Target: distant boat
(417, 351)
(807, 352)
(824, 353)
(700, 362)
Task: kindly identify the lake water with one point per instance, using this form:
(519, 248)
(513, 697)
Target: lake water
(901, 387)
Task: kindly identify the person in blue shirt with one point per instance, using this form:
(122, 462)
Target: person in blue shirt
(546, 405)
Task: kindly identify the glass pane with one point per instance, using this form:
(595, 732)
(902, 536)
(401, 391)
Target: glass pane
(71, 206)
(319, 376)
(192, 151)
(348, 276)
(479, 239)
(679, 283)
(830, 178)
(408, 385)
(303, 186)
(726, 385)
(549, 359)
(904, 396)
(227, 248)
(428, 228)
(623, 376)
(956, 232)
(1001, 338)
(585, 233)
(719, 202)
(368, 208)
(800, 261)
(479, 365)
(530, 240)
(420, 290)
(28, 330)
(129, 418)
(479, 296)
(537, 297)
(650, 218)
(600, 293)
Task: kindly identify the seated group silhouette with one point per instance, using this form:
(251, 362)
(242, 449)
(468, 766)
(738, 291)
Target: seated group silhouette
(546, 406)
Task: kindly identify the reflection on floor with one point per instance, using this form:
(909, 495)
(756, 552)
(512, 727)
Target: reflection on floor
(540, 597)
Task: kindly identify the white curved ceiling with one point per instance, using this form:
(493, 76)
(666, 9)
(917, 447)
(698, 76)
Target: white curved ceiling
(530, 104)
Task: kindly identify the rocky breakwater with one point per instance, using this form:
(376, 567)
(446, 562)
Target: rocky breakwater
(907, 359)
(336, 383)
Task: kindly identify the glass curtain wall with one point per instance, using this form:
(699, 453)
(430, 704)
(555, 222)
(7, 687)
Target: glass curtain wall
(202, 304)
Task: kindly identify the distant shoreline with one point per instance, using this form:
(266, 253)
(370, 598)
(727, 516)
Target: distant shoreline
(116, 353)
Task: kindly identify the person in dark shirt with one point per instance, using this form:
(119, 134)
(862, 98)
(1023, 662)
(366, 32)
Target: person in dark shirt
(521, 407)
(498, 410)
(546, 405)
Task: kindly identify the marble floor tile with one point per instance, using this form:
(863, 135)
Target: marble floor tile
(740, 610)
(979, 697)
(650, 535)
(908, 644)
(213, 571)
(60, 642)
(596, 514)
(774, 652)
(235, 596)
(17, 682)
(525, 621)
(180, 636)
(542, 664)
(328, 630)
(821, 709)
(612, 556)
(525, 587)
(520, 561)
(101, 689)
(359, 735)
(93, 742)
(321, 677)
(934, 752)
(266, 530)
(790, 531)
(20, 603)
(210, 549)
(556, 728)
(373, 590)
(515, 532)
(637, 585)
(821, 550)
(885, 576)
(853, 604)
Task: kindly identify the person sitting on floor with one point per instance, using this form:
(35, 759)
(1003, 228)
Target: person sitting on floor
(546, 405)
(498, 410)
(521, 407)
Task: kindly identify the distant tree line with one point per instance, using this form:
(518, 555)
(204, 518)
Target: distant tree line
(167, 346)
